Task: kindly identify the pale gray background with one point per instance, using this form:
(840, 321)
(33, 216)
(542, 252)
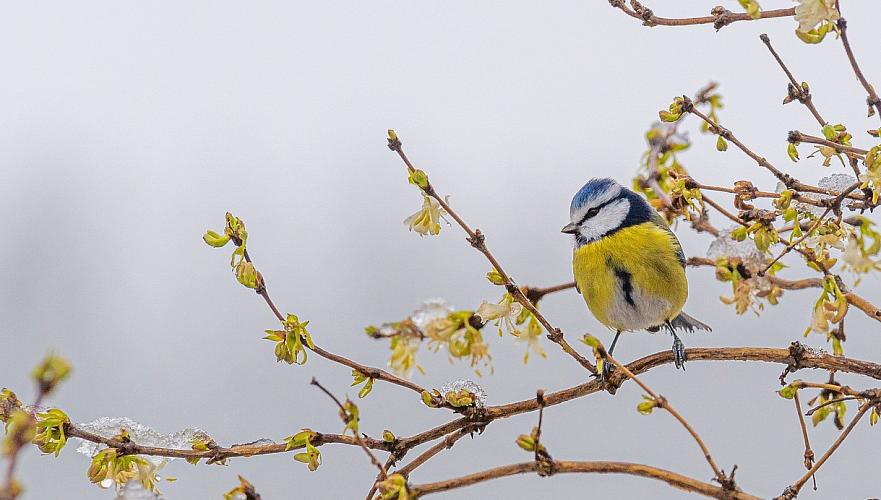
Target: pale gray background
(130, 127)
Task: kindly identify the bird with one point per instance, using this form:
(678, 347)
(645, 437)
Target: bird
(628, 264)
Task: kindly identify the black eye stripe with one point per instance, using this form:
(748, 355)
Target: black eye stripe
(595, 210)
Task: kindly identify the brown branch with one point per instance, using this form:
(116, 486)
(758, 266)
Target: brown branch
(787, 180)
(864, 305)
(792, 490)
(796, 91)
(809, 453)
(369, 371)
(560, 466)
(794, 358)
(872, 99)
(661, 402)
(796, 136)
(721, 210)
(834, 204)
(345, 416)
(445, 444)
(721, 17)
(853, 299)
(238, 450)
(478, 240)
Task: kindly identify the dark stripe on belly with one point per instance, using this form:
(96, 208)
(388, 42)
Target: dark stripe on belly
(626, 285)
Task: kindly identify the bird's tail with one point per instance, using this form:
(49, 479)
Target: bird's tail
(688, 323)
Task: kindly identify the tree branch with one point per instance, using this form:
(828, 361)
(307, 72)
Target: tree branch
(720, 18)
(478, 240)
(872, 99)
(673, 479)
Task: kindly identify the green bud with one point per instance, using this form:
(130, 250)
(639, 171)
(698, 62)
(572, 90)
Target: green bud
(788, 392)
(829, 132)
(248, 276)
(792, 151)
(873, 417)
(667, 116)
(526, 442)
(9, 402)
(214, 239)
(430, 398)
(50, 372)
(721, 145)
(495, 278)
(366, 389)
(646, 407)
(739, 233)
(388, 437)
(419, 178)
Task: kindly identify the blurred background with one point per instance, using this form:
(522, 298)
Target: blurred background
(131, 127)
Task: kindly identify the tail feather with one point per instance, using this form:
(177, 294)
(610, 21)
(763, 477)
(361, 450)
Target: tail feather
(688, 323)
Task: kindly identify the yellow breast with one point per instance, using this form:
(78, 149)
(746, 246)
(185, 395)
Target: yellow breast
(647, 257)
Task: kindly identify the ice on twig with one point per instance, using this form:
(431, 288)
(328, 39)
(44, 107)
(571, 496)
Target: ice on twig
(139, 433)
(834, 182)
(468, 385)
(134, 490)
(430, 310)
(746, 251)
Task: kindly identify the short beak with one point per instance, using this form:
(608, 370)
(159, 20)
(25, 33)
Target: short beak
(570, 228)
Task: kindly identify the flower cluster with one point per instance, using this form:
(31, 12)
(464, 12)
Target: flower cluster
(303, 439)
(244, 270)
(244, 489)
(110, 467)
(829, 309)
(51, 372)
(815, 18)
(290, 342)
(51, 436)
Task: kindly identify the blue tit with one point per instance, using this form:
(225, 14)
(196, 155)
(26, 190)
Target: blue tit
(628, 264)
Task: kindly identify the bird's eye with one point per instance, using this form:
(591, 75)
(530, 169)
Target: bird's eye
(592, 212)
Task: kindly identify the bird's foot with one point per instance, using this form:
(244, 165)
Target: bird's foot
(606, 373)
(679, 356)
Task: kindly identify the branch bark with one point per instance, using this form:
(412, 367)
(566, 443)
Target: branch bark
(679, 481)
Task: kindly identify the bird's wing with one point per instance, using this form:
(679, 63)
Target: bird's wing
(659, 221)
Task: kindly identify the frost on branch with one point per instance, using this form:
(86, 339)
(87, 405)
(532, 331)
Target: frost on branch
(724, 246)
(429, 311)
(134, 490)
(139, 434)
(834, 182)
(465, 392)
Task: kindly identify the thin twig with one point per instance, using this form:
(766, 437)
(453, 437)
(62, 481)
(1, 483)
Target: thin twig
(792, 491)
(662, 402)
(872, 99)
(560, 466)
(478, 240)
(720, 19)
(796, 136)
(796, 90)
(345, 416)
(809, 453)
(803, 359)
(445, 444)
(369, 371)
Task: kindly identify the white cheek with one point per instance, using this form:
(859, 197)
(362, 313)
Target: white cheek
(609, 218)
(611, 193)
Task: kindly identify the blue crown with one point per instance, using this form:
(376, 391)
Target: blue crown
(593, 190)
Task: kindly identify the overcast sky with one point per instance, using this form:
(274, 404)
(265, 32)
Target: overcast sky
(131, 127)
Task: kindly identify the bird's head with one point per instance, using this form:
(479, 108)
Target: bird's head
(602, 207)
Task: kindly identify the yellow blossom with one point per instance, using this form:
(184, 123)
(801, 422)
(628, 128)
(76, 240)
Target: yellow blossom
(504, 313)
(427, 220)
(810, 13)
